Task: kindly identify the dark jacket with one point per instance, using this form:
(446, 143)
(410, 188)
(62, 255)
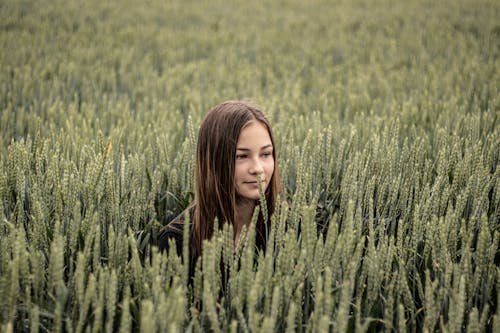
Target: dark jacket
(174, 230)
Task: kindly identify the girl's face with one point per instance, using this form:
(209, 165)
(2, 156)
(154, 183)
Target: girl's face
(254, 156)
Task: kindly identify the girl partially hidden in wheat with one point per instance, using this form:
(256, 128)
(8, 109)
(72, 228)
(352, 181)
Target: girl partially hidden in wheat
(235, 147)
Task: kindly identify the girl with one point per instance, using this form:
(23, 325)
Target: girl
(235, 146)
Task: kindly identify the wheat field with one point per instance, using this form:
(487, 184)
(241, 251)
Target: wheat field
(386, 116)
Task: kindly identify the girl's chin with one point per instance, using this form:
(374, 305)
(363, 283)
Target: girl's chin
(248, 192)
(242, 197)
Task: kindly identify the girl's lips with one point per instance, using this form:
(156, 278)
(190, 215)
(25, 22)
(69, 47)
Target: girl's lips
(252, 186)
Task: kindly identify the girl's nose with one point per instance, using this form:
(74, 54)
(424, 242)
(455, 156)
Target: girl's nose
(256, 168)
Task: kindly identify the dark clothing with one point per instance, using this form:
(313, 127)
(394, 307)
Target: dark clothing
(175, 230)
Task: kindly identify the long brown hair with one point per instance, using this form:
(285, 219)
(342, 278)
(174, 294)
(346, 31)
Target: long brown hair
(215, 193)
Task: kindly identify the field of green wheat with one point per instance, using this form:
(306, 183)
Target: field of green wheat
(386, 116)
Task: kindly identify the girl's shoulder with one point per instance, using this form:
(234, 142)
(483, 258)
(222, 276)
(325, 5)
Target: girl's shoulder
(174, 229)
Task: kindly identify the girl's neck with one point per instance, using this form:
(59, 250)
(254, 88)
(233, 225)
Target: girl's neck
(243, 217)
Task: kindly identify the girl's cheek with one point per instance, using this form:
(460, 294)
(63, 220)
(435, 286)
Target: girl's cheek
(270, 166)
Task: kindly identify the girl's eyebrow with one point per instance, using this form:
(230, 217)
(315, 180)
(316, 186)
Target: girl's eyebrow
(263, 147)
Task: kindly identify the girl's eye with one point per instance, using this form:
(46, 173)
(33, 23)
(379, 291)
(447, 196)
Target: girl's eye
(267, 154)
(240, 156)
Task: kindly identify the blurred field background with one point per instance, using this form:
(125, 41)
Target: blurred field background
(386, 116)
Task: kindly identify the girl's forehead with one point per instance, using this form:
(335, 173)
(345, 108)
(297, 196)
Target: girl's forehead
(254, 132)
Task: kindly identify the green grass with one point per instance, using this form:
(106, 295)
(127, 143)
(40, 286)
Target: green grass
(386, 120)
